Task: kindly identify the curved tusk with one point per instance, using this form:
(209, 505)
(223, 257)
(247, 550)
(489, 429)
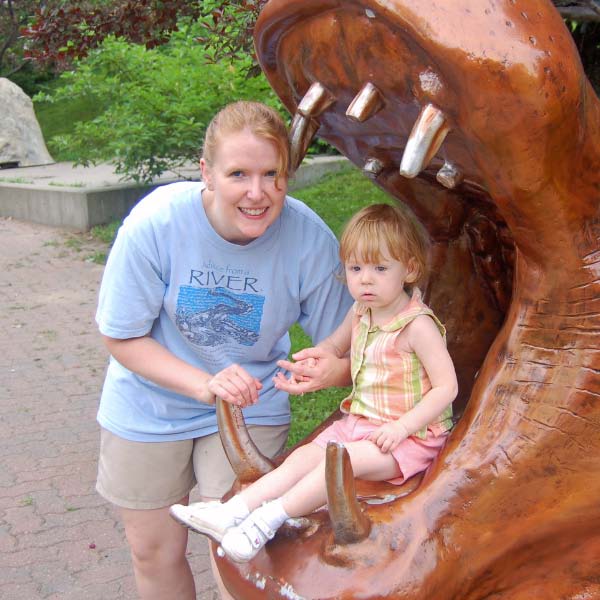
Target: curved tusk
(449, 176)
(302, 132)
(315, 101)
(365, 104)
(348, 522)
(426, 137)
(247, 461)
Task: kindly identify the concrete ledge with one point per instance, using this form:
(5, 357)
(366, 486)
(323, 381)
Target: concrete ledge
(79, 198)
(315, 168)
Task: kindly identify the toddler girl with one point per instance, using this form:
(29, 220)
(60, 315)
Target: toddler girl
(398, 415)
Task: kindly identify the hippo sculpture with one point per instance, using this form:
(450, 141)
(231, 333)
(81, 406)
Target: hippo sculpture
(478, 116)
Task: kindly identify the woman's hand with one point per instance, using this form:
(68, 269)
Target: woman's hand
(234, 385)
(313, 369)
(388, 436)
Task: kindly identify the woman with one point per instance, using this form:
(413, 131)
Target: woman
(200, 289)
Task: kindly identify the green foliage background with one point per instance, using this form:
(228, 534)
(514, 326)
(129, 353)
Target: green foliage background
(145, 110)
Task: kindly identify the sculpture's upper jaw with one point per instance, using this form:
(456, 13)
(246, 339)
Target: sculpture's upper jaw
(505, 77)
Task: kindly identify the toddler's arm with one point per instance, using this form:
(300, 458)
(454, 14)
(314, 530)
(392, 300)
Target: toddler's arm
(426, 341)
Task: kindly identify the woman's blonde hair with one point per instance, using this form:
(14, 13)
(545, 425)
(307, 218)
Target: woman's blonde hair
(263, 121)
(381, 228)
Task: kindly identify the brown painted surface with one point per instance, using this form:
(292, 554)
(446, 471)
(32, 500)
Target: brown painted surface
(511, 509)
(245, 458)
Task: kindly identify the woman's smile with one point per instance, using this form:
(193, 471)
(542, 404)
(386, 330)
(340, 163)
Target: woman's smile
(253, 212)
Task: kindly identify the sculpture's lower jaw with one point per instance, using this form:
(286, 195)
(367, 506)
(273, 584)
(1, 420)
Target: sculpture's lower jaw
(509, 499)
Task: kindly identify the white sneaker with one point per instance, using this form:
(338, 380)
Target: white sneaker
(208, 518)
(243, 542)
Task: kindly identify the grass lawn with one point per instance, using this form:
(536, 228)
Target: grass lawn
(55, 119)
(335, 198)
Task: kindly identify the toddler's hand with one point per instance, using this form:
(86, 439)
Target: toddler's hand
(296, 383)
(388, 436)
(307, 363)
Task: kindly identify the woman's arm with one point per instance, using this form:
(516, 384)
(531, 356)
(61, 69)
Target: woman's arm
(146, 357)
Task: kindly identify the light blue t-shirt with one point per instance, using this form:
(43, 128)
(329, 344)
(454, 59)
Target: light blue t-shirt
(211, 303)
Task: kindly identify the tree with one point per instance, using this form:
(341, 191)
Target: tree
(14, 15)
(61, 32)
(152, 104)
(579, 10)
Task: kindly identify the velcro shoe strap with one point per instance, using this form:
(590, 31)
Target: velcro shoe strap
(257, 530)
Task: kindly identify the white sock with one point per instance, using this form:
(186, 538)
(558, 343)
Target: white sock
(237, 507)
(273, 513)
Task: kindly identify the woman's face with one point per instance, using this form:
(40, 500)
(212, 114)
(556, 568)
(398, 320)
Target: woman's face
(241, 199)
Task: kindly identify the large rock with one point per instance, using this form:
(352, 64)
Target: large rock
(21, 139)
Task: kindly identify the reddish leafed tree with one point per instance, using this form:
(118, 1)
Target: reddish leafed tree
(61, 32)
(14, 15)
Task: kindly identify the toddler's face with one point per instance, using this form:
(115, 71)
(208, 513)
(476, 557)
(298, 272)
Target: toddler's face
(380, 285)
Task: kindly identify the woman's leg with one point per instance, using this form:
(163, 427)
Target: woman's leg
(139, 477)
(310, 492)
(158, 546)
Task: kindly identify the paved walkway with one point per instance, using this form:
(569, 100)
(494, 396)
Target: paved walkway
(59, 540)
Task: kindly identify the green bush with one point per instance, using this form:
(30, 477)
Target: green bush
(150, 107)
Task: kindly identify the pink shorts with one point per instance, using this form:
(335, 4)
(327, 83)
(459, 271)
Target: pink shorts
(413, 455)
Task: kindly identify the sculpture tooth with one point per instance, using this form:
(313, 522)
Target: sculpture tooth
(373, 167)
(365, 104)
(424, 141)
(449, 176)
(247, 461)
(348, 522)
(316, 100)
(302, 131)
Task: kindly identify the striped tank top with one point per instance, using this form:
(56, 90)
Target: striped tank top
(387, 383)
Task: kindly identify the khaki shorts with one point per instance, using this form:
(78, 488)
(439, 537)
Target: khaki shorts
(147, 475)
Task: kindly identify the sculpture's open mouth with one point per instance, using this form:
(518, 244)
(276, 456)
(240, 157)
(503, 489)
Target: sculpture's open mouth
(478, 116)
(459, 97)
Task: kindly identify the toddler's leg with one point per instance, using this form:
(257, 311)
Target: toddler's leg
(277, 482)
(370, 463)
(243, 542)
(214, 518)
